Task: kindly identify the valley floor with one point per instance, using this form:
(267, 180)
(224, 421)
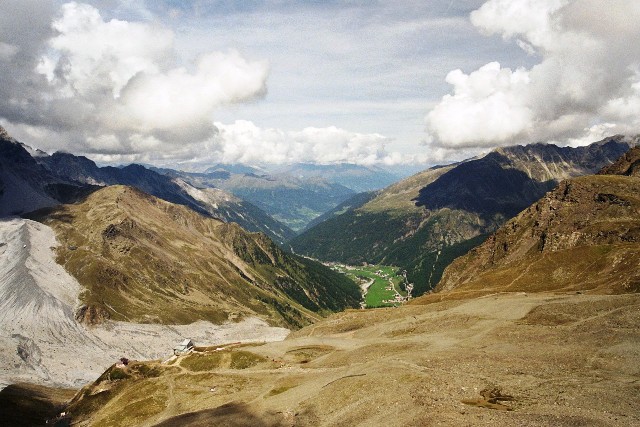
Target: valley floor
(544, 359)
(381, 285)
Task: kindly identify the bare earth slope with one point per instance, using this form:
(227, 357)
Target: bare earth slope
(584, 235)
(41, 342)
(566, 360)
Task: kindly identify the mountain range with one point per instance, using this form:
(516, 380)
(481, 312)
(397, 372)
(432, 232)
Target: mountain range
(137, 267)
(424, 222)
(31, 182)
(358, 178)
(144, 260)
(25, 186)
(291, 200)
(587, 229)
(536, 326)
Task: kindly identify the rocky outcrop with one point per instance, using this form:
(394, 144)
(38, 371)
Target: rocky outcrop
(628, 165)
(91, 315)
(584, 235)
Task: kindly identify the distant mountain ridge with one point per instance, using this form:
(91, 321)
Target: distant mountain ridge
(358, 178)
(424, 222)
(290, 200)
(32, 179)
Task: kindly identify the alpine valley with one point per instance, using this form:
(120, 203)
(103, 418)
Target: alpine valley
(525, 306)
(424, 222)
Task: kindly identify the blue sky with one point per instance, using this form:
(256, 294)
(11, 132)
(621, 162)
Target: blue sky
(193, 82)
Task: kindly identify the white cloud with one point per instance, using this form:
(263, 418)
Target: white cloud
(594, 133)
(487, 104)
(178, 98)
(91, 56)
(244, 142)
(587, 79)
(116, 87)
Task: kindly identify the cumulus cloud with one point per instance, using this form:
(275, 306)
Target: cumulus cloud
(587, 80)
(115, 86)
(244, 142)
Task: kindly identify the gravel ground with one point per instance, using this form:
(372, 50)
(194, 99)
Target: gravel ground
(40, 341)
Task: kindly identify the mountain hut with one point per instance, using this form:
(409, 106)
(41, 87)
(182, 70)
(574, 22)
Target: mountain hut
(184, 347)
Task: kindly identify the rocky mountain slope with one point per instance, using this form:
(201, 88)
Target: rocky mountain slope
(32, 179)
(25, 185)
(627, 165)
(41, 340)
(229, 208)
(584, 235)
(212, 202)
(142, 259)
(426, 221)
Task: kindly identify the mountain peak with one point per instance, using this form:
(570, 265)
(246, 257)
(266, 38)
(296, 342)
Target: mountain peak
(5, 135)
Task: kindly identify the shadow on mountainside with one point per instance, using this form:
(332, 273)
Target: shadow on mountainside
(498, 189)
(31, 405)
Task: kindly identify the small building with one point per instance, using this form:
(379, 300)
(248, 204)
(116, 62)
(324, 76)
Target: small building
(184, 347)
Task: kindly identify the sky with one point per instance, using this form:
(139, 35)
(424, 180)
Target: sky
(191, 83)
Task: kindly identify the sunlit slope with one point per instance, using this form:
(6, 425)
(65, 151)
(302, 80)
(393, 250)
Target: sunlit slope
(142, 259)
(584, 235)
(538, 326)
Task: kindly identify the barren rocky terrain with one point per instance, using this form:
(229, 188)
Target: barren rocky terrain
(40, 340)
(538, 326)
(503, 359)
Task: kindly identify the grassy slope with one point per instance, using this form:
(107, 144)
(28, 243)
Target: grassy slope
(142, 259)
(391, 229)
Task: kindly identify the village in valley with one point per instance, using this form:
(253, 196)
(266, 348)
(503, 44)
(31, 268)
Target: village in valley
(381, 285)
